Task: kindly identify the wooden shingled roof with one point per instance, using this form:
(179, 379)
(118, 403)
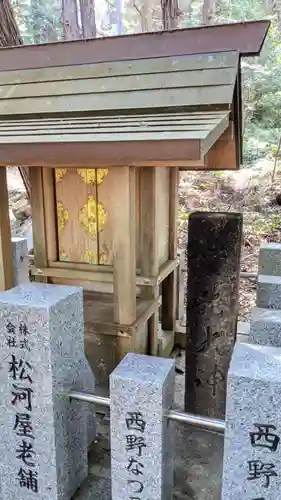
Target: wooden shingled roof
(172, 82)
(186, 99)
(118, 139)
(155, 109)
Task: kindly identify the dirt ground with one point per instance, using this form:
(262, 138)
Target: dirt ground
(249, 191)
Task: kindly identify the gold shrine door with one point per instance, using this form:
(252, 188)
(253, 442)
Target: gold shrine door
(83, 215)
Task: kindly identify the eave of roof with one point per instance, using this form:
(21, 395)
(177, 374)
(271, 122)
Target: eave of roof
(70, 142)
(246, 38)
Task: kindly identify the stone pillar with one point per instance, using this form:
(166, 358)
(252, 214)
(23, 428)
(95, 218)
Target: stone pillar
(269, 277)
(270, 259)
(252, 448)
(20, 261)
(269, 292)
(141, 389)
(265, 327)
(43, 436)
(213, 261)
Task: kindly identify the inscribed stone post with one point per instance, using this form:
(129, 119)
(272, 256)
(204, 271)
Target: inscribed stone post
(252, 447)
(265, 327)
(141, 389)
(213, 261)
(20, 261)
(270, 259)
(43, 436)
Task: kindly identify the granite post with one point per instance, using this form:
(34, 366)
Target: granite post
(270, 259)
(269, 292)
(43, 436)
(141, 389)
(265, 327)
(20, 261)
(269, 277)
(213, 261)
(252, 446)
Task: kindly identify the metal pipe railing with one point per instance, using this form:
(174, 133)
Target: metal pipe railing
(89, 398)
(244, 274)
(208, 424)
(205, 423)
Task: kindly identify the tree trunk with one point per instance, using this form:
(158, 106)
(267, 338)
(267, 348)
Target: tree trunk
(146, 17)
(170, 14)
(119, 17)
(208, 12)
(88, 19)
(10, 35)
(70, 20)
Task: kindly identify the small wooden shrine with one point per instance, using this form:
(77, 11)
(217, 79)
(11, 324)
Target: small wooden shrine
(105, 125)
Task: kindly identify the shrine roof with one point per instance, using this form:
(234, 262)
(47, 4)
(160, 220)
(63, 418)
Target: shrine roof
(161, 83)
(247, 38)
(117, 139)
(138, 98)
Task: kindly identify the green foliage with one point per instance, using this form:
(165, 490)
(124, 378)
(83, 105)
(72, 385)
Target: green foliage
(238, 10)
(259, 141)
(184, 216)
(39, 21)
(262, 95)
(267, 224)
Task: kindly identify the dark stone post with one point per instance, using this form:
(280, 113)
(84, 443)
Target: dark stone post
(213, 265)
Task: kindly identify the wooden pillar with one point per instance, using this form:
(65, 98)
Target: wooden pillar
(169, 285)
(149, 258)
(124, 245)
(48, 179)
(38, 220)
(213, 259)
(6, 253)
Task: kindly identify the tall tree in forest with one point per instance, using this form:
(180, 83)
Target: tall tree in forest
(145, 14)
(170, 14)
(71, 16)
(70, 24)
(119, 17)
(208, 12)
(9, 32)
(9, 35)
(88, 18)
(112, 23)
